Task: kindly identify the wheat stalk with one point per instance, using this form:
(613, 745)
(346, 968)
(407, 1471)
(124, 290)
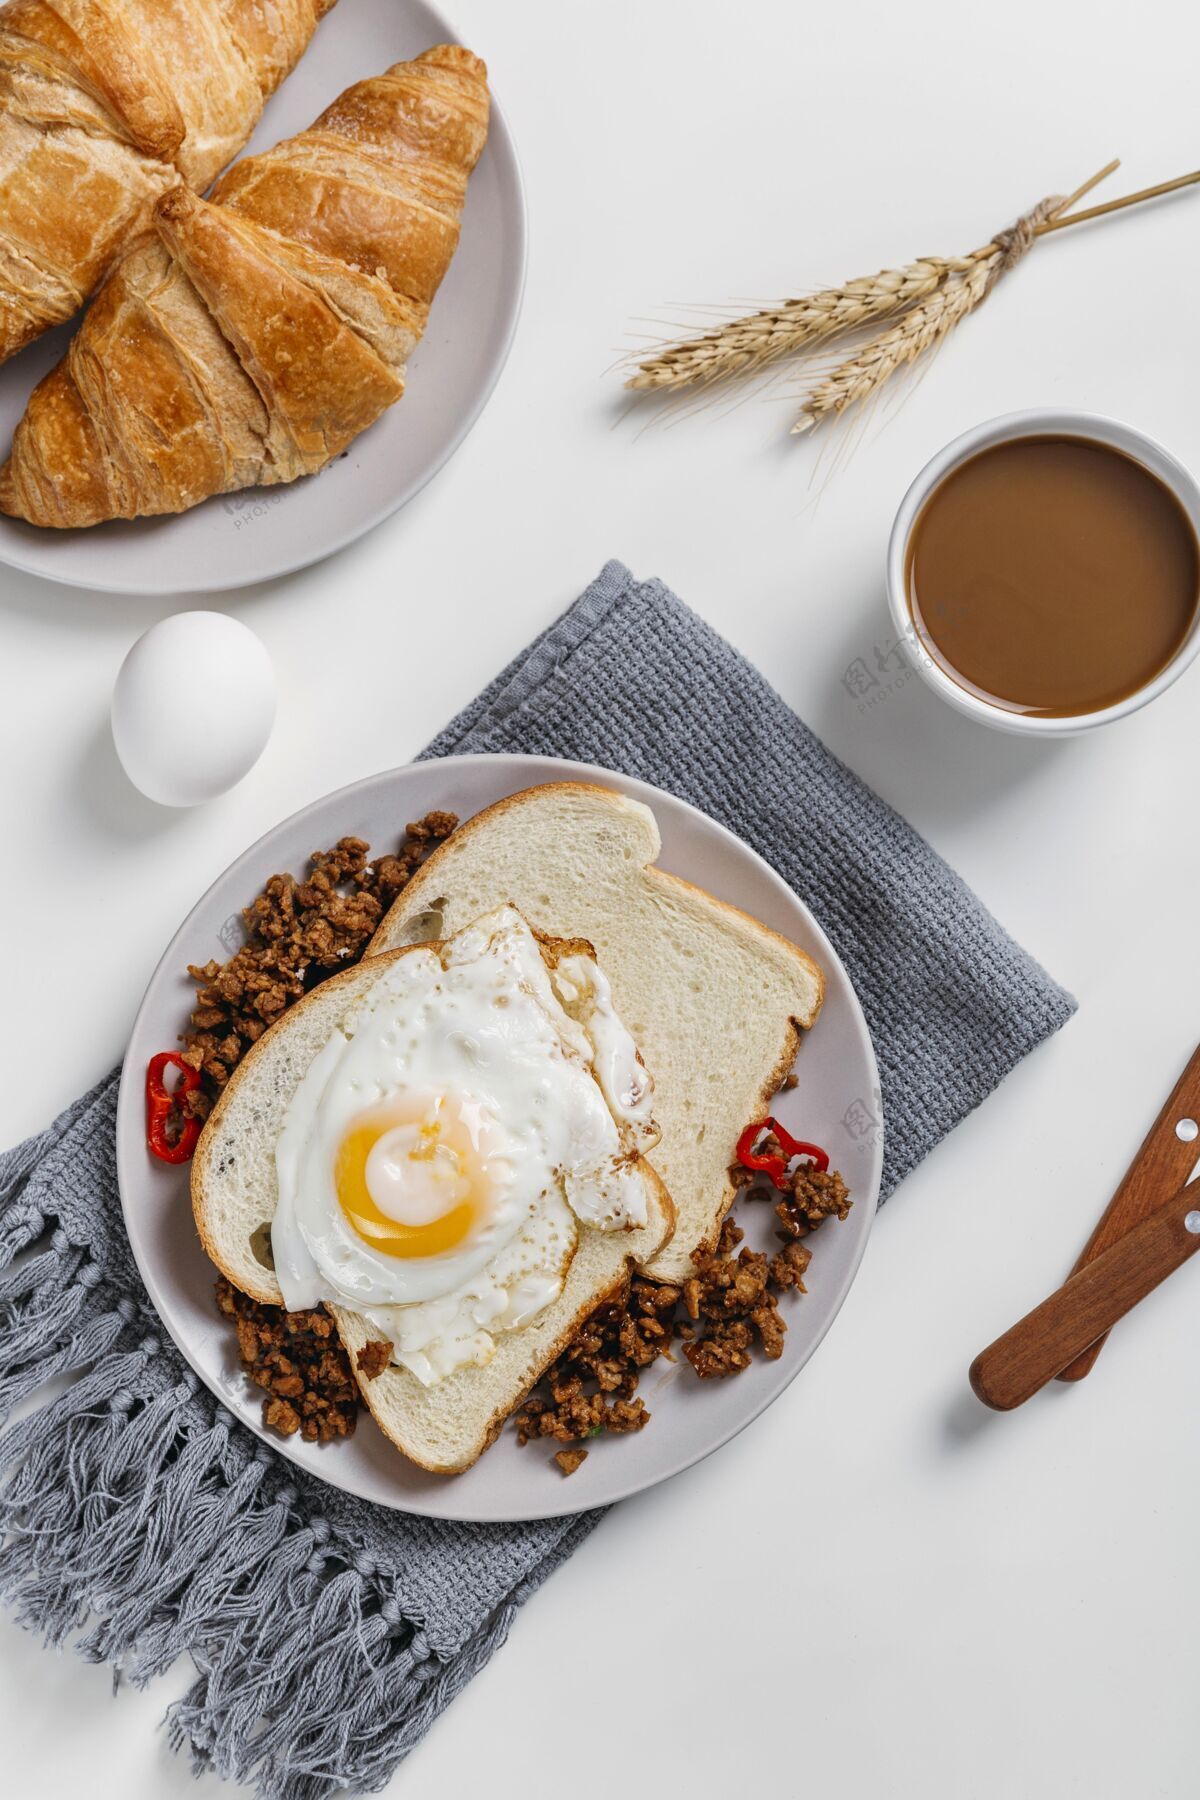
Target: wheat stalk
(745, 345)
(921, 304)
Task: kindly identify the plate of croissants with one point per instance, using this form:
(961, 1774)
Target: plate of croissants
(260, 266)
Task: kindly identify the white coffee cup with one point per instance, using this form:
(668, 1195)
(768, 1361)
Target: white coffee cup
(1040, 422)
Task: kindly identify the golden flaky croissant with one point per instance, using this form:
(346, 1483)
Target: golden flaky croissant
(256, 334)
(104, 105)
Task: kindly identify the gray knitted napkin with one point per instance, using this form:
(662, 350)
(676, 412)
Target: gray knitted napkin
(138, 1520)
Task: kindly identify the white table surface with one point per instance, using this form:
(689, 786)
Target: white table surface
(880, 1589)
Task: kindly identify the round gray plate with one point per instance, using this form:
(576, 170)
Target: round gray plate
(836, 1104)
(235, 539)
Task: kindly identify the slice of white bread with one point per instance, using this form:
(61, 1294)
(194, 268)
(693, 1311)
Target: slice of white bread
(234, 1193)
(715, 1001)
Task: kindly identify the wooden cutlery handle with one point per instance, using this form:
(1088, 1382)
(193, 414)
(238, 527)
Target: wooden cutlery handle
(1054, 1333)
(1163, 1164)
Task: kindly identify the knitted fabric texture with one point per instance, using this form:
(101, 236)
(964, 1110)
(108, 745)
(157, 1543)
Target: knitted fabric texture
(139, 1521)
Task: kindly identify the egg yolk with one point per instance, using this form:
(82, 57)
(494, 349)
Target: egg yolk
(423, 1169)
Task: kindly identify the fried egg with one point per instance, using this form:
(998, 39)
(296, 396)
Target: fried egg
(472, 1113)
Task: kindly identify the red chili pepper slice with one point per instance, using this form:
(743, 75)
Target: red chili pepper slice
(776, 1166)
(160, 1105)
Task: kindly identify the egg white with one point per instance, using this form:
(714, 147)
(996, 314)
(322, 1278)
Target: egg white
(552, 1079)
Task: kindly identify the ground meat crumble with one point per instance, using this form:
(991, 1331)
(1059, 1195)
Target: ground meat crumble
(723, 1315)
(374, 1358)
(298, 1359)
(297, 933)
(590, 1388)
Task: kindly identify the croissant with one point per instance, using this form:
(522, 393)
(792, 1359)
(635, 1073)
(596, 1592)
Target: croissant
(254, 335)
(104, 105)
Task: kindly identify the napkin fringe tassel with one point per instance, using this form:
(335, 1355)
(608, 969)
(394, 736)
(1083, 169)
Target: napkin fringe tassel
(139, 1534)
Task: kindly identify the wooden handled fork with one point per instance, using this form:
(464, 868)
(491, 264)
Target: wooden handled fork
(1054, 1334)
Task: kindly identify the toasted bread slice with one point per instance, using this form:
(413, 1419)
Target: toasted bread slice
(715, 1001)
(444, 1427)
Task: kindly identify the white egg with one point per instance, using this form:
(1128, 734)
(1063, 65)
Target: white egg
(193, 707)
(448, 1143)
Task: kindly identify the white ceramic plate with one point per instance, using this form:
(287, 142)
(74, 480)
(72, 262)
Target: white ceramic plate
(835, 1104)
(235, 539)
